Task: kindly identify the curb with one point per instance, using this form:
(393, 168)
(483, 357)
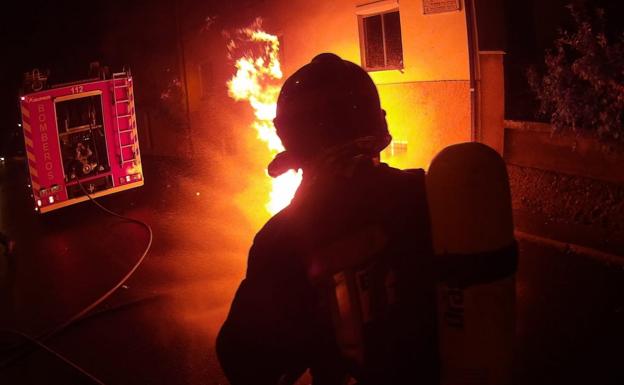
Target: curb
(598, 255)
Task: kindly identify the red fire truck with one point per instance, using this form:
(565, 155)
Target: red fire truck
(80, 137)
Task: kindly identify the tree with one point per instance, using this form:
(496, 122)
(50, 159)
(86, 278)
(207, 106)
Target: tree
(582, 88)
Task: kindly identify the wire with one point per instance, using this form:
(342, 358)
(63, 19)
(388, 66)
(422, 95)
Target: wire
(59, 356)
(47, 335)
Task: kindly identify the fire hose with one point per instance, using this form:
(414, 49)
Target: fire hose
(39, 340)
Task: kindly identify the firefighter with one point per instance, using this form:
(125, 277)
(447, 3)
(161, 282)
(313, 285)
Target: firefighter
(340, 282)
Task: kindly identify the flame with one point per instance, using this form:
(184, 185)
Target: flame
(256, 81)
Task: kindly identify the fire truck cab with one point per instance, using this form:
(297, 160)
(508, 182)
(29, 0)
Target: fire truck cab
(80, 136)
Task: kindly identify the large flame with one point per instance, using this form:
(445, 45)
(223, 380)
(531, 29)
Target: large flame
(258, 72)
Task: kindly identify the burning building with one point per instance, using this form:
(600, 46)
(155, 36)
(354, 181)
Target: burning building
(435, 85)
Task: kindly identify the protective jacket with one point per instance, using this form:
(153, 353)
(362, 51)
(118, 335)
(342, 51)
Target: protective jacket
(340, 282)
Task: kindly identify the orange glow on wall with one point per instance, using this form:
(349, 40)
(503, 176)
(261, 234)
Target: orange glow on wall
(427, 102)
(258, 72)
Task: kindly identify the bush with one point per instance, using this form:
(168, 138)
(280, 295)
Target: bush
(582, 88)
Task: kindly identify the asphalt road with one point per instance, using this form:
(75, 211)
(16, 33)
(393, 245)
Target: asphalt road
(160, 327)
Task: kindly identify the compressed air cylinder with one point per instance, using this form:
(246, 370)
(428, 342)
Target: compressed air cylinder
(472, 230)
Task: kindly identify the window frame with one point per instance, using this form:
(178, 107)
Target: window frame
(379, 12)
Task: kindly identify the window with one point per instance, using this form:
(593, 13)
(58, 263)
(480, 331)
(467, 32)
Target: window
(380, 41)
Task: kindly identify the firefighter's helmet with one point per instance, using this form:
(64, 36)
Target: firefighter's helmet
(326, 103)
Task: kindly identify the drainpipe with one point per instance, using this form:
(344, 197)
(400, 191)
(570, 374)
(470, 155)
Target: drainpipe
(473, 61)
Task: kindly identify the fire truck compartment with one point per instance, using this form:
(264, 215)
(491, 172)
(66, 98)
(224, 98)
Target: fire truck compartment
(83, 133)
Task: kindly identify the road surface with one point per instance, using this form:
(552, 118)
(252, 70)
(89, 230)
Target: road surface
(160, 327)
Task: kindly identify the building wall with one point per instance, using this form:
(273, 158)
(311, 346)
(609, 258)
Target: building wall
(428, 116)
(427, 103)
(217, 121)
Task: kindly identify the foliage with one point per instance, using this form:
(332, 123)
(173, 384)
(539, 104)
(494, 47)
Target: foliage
(582, 89)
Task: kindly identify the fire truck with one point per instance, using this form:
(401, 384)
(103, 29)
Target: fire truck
(80, 139)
